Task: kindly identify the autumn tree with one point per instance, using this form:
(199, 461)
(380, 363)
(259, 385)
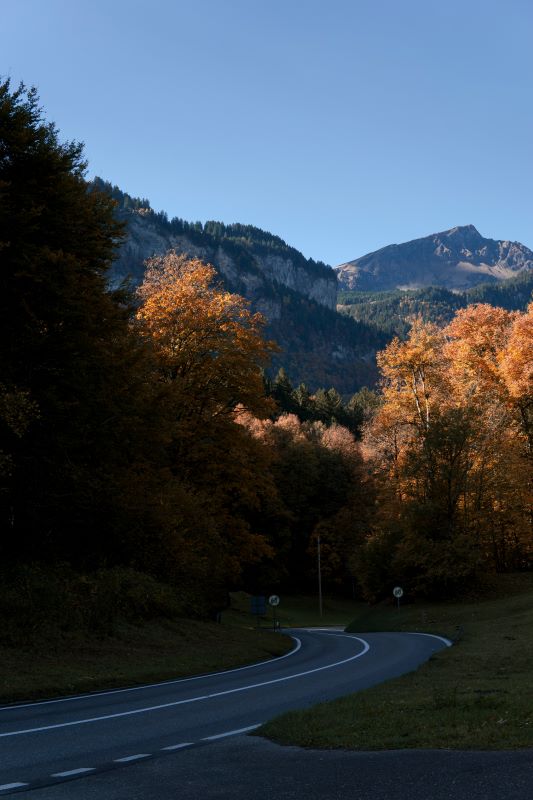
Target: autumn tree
(446, 446)
(209, 344)
(487, 346)
(516, 368)
(317, 470)
(210, 350)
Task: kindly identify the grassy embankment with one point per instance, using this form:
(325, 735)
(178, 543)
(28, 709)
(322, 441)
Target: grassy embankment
(133, 654)
(475, 695)
(53, 662)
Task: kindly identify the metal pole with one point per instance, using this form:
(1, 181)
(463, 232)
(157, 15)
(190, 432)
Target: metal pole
(319, 577)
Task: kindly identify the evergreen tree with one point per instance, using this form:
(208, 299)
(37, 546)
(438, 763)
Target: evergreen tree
(65, 346)
(282, 392)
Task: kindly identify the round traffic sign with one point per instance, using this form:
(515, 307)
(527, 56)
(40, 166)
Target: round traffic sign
(397, 592)
(273, 600)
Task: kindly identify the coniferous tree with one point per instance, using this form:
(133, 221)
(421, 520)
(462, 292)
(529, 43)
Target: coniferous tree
(282, 392)
(65, 346)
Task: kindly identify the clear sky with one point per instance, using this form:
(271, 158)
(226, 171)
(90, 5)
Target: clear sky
(340, 125)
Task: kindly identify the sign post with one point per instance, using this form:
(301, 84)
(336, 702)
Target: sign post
(273, 600)
(319, 576)
(258, 608)
(398, 593)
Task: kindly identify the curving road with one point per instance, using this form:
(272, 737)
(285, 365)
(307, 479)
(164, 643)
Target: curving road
(98, 745)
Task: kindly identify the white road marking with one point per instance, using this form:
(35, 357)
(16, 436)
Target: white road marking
(131, 758)
(155, 685)
(177, 746)
(232, 733)
(330, 628)
(69, 772)
(433, 636)
(366, 648)
(5, 786)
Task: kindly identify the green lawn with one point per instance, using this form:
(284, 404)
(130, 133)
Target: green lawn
(295, 611)
(134, 654)
(153, 651)
(476, 695)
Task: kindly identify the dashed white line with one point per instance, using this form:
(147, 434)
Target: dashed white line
(232, 733)
(126, 759)
(131, 758)
(69, 772)
(177, 746)
(366, 648)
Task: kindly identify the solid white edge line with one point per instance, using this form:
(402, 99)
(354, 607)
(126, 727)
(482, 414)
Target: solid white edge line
(177, 746)
(155, 685)
(446, 641)
(366, 648)
(69, 772)
(231, 733)
(5, 786)
(125, 759)
(443, 639)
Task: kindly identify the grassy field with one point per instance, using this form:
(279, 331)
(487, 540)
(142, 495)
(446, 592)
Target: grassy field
(476, 695)
(294, 612)
(133, 655)
(157, 650)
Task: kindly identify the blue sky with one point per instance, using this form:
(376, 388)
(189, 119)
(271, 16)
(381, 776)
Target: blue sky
(340, 125)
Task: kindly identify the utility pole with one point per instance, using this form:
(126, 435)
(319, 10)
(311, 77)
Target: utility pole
(319, 576)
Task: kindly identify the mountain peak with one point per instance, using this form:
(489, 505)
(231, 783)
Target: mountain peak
(455, 259)
(464, 229)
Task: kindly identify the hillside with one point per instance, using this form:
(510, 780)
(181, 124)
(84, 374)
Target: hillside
(296, 295)
(391, 312)
(458, 258)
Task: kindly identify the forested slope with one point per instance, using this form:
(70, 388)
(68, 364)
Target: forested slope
(392, 312)
(296, 295)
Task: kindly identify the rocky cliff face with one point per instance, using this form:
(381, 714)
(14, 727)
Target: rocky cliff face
(296, 295)
(456, 259)
(250, 270)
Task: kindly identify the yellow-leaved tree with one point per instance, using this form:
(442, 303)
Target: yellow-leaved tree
(210, 349)
(449, 447)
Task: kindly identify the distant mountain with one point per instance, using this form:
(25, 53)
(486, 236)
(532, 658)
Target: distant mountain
(297, 295)
(455, 259)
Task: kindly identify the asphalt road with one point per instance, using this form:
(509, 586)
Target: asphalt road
(137, 743)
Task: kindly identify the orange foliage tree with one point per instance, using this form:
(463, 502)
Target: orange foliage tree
(210, 350)
(449, 447)
(322, 490)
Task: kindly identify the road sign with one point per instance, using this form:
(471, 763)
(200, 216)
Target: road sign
(397, 592)
(273, 600)
(257, 605)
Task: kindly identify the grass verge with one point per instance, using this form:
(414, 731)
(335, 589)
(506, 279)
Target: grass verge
(294, 611)
(134, 654)
(475, 695)
(61, 663)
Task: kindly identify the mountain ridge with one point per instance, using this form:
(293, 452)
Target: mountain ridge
(457, 258)
(297, 296)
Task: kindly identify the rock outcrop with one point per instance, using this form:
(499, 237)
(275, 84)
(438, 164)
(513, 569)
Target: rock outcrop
(247, 268)
(296, 295)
